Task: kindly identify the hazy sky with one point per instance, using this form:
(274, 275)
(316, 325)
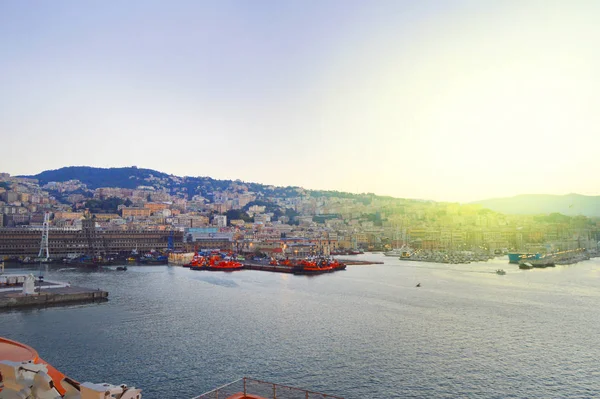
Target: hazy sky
(443, 100)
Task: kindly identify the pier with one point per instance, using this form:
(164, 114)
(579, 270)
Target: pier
(267, 267)
(354, 262)
(14, 292)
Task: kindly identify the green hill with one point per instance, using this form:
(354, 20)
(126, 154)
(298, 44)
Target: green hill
(129, 177)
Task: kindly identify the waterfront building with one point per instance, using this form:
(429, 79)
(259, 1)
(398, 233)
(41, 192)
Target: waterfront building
(208, 238)
(63, 242)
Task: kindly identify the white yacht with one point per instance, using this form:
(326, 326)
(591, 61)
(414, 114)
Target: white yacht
(394, 252)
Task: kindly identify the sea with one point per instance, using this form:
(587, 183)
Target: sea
(366, 332)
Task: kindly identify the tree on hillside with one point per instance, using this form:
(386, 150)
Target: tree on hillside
(236, 214)
(108, 205)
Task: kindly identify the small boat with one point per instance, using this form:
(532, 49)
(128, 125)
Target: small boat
(122, 268)
(525, 265)
(500, 272)
(153, 259)
(521, 257)
(394, 252)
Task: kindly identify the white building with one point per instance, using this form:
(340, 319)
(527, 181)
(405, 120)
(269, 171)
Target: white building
(220, 220)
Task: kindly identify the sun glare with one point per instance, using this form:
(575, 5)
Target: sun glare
(495, 105)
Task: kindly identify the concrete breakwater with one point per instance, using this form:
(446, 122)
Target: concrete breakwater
(354, 262)
(567, 257)
(48, 293)
(453, 257)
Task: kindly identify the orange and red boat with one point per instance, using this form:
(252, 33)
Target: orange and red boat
(197, 260)
(24, 374)
(318, 266)
(218, 263)
(215, 263)
(17, 352)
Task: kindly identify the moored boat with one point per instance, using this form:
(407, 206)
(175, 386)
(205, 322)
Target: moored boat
(525, 265)
(317, 266)
(154, 259)
(522, 257)
(394, 252)
(197, 261)
(214, 263)
(218, 263)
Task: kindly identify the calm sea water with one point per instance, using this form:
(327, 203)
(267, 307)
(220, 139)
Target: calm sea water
(366, 332)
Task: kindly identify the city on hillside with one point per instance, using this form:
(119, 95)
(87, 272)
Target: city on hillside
(267, 220)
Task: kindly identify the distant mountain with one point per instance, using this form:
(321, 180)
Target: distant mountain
(535, 204)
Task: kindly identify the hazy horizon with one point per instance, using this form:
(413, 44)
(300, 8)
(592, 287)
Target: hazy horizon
(453, 101)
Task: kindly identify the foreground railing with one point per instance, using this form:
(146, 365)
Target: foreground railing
(256, 389)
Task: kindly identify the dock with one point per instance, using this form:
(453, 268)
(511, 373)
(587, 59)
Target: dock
(354, 262)
(45, 293)
(267, 267)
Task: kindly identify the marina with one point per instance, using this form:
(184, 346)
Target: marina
(439, 256)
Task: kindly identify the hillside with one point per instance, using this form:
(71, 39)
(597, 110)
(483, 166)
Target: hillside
(133, 177)
(129, 177)
(534, 204)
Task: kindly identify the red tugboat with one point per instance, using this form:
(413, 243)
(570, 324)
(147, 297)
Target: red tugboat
(337, 265)
(198, 261)
(217, 263)
(318, 266)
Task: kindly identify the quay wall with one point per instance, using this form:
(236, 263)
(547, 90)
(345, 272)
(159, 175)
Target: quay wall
(48, 298)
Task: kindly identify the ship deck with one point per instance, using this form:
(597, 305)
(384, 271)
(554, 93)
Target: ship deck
(249, 388)
(16, 352)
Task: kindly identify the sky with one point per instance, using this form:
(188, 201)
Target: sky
(441, 100)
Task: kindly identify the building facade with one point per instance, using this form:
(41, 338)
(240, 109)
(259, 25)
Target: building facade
(63, 242)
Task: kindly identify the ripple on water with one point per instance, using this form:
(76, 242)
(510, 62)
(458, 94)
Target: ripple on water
(363, 332)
